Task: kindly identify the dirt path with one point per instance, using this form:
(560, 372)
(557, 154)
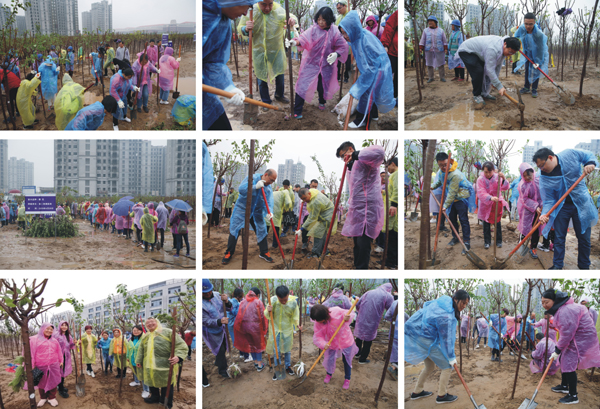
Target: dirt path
(257, 390)
(453, 260)
(159, 116)
(312, 117)
(448, 106)
(99, 250)
(491, 384)
(341, 247)
(101, 392)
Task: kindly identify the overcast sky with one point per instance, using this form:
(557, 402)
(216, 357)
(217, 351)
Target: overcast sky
(41, 153)
(134, 13)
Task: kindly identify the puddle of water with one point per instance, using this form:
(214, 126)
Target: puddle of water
(89, 98)
(461, 117)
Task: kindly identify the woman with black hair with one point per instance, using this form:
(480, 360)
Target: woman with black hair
(322, 45)
(429, 337)
(120, 89)
(66, 341)
(577, 347)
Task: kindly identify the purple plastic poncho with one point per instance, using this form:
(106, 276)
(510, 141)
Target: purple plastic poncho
(317, 44)
(163, 213)
(66, 346)
(137, 68)
(389, 316)
(578, 341)
(529, 200)
(46, 355)
(434, 40)
(138, 211)
(537, 357)
(152, 54)
(464, 326)
(60, 211)
(108, 212)
(370, 309)
(119, 222)
(373, 29)
(365, 206)
(486, 189)
(483, 327)
(551, 330)
(168, 64)
(342, 344)
(118, 88)
(338, 299)
(213, 334)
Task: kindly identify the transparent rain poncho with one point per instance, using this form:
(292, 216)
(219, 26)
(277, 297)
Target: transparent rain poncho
(154, 354)
(553, 187)
(464, 326)
(316, 45)
(167, 64)
(87, 119)
(117, 348)
(374, 66)
(163, 214)
(431, 333)
(393, 192)
(320, 212)
(370, 308)
(534, 46)
(66, 346)
(486, 189)
(110, 55)
(212, 333)
(96, 68)
(49, 78)
(147, 222)
(542, 325)
(494, 338)
(289, 204)
(24, 103)
(184, 110)
(88, 346)
(132, 348)
(389, 316)
(118, 88)
(280, 199)
(250, 325)
(207, 180)
(578, 340)
(457, 188)
(258, 210)
(483, 328)
(537, 357)
(529, 199)
(342, 344)
(338, 299)
(46, 355)
(285, 317)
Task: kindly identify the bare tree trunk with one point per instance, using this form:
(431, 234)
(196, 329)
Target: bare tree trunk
(417, 59)
(587, 49)
(246, 230)
(523, 330)
(428, 161)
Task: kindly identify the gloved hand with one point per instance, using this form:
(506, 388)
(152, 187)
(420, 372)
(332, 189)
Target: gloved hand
(57, 69)
(299, 232)
(332, 57)
(38, 75)
(178, 59)
(121, 104)
(158, 71)
(291, 43)
(136, 89)
(259, 185)
(90, 55)
(33, 72)
(269, 217)
(554, 356)
(237, 98)
(536, 66)
(452, 361)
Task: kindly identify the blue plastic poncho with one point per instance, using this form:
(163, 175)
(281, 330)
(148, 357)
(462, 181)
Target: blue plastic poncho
(535, 46)
(69, 66)
(455, 40)
(514, 188)
(118, 88)
(372, 86)
(49, 78)
(96, 66)
(87, 119)
(258, 210)
(207, 180)
(494, 340)
(529, 328)
(184, 110)
(431, 333)
(553, 187)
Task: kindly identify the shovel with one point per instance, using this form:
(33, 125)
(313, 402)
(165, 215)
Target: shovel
(439, 221)
(262, 189)
(499, 264)
(414, 216)
(176, 92)
(499, 334)
(296, 239)
(80, 386)
(279, 369)
(79, 389)
(328, 343)
(519, 104)
(250, 110)
(565, 95)
(531, 403)
(217, 91)
(471, 256)
(482, 406)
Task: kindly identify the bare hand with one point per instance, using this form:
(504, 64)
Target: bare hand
(174, 360)
(502, 91)
(589, 169)
(291, 22)
(393, 211)
(346, 318)
(224, 297)
(300, 327)
(269, 308)
(494, 199)
(224, 320)
(538, 210)
(326, 347)
(386, 49)
(348, 157)
(249, 25)
(501, 175)
(544, 219)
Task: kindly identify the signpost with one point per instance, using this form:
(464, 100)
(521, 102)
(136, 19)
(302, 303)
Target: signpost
(28, 190)
(42, 204)
(165, 40)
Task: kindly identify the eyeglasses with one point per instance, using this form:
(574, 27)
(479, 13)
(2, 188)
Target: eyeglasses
(543, 164)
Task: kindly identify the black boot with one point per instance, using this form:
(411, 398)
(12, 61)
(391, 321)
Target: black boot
(154, 396)
(62, 392)
(118, 373)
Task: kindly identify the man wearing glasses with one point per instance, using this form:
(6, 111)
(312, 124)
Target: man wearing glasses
(535, 46)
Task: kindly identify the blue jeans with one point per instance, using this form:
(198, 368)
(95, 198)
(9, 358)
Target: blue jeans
(257, 356)
(561, 224)
(145, 387)
(347, 369)
(144, 98)
(263, 87)
(287, 356)
(179, 239)
(527, 83)
(164, 94)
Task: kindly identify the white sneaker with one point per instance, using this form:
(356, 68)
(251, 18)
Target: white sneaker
(378, 249)
(249, 359)
(484, 345)
(116, 127)
(523, 356)
(41, 403)
(53, 402)
(134, 383)
(511, 354)
(477, 346)
(92, 374)
(143, 246)
(126, 119)
(434, 220)
(145, 394)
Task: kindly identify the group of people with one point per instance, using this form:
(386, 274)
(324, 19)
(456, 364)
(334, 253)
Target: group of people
(147, 353)
(248, 322)
(533, 193)
(568, 335)
(327, 47)
(365, 210)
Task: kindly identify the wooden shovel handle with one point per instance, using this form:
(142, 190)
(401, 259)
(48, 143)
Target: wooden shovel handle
(462, 380)
(514, 101)
(545, 373)
(437, 230)
(217, 91)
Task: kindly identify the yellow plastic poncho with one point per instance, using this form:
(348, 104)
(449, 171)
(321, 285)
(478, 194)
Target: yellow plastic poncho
(393, 192)
(116, 349)
(268, 51)
(231, 199)
(88, 345)
(69, 101)
(21, 215)
(110, 54)
(284, 318)
(289, 206)
(147, 222)
(320, 212)
(27, 89)
(516, 56)
(154, 353)
(132, 351)
(279, 201)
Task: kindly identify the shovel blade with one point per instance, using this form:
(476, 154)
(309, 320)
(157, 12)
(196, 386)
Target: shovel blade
(299, 383)
(414, 216)
(280, 372)
(565, 95)
(528, 404)
(176, 95)
(250, 113)
(430, 265)
(499, 264)
(474, 258)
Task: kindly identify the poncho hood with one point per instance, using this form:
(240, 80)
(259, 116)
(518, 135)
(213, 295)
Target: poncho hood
(168, 51)
(352, 26)
(523, 167)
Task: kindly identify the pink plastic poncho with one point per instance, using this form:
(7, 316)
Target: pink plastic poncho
(152, 212)
(370, 309)
(529, 200)
(537, 362)
(551, 330)
(578, 341)
(250, 325)
(167, 66)
(46, 355)
(373, 29)
(119, 222)
(137, 67)
(342, 344)
(365, 206)
(513, 326)
(108, 211)
(464, 326)
(486, 189)
(152, 54)
(483, 327)
(317, 44)
(66, 346)
(138, 211)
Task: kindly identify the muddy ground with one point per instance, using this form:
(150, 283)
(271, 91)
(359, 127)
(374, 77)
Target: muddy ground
(312, 117)
(159, 117)
(448, 106)
(101, 392)
(453, 260)
(341, 247)
(97, 250)
(491, 383)
(257, 390)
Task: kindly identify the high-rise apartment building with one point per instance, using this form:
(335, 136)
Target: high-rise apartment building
(529, 151)
(101, 16)
(180, 167)
(20, 173)
(292, 172)
(53, 17)
(593, 146)
(86, 21)
(4, 166)
(157, 170)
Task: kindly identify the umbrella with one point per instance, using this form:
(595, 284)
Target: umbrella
(122, 207)
(177, 204)
(126, 198)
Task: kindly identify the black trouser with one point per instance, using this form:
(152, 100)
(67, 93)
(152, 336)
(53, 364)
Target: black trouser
(394, 62)
(221, 359)
(304, 232)
(160, 394)
(204, 376)
(138, 235)
(460, 211)
(348, 67)
(61, 385)
(362, 252)
(463, 340)
(535, 237)
(12, 95)
(221, 124)
(216, 214)
(89, 367)
(179, 239)
(514, 66)
(232, 241)
(228, 212)
(475, 67)
(459, 73)
(107, 363)
(115, 121)
(71, 73)
(276, 231)
(190, 351)
(487, 234)
(299, 101)
(162, 236)
(392, 250)
(570, 379)
(373, 114)
(495, 352)
(364, 348)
